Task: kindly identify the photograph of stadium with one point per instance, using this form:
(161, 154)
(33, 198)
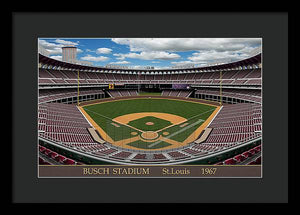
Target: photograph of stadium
(149, 102)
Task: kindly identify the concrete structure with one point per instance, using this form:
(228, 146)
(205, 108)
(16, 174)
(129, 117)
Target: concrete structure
(69, 54)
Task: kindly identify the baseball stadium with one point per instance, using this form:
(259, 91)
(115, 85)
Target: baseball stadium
(91, 115)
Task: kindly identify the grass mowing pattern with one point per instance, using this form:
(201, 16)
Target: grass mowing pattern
(116, 133)
(102, 114)
(188, 129)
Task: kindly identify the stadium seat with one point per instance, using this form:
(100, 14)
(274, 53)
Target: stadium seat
(47, 151)
(239, 158)
(247, 154)
(230, 161)
(42, 148)
(252, 151)
(258, 148)
(60, 158)
(252, 163)
(41, 160)
(69, 162)
(53, 155)
(258, 160)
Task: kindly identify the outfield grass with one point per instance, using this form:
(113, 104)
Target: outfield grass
(113, 109)
(103, 113)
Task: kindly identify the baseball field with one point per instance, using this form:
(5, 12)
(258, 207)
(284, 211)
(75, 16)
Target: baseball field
(149, 123)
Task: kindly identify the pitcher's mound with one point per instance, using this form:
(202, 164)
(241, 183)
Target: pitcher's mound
(149, 123)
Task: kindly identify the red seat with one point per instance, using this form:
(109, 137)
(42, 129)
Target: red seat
(219, 163)
(230, 161)
(53, 155)
(41, 160)
(60, 158)
(239, 158)
(252, 151)
(42, 148)
(47, 152)
(252, 163)
(258, 148)
(258, 160)
(69, 162)
(247, 154)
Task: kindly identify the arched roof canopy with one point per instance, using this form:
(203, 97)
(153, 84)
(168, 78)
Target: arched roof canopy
(249, 61)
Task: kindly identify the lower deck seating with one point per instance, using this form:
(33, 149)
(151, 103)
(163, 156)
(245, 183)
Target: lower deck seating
(121, 93)
(244, 158)
(176, 93)
(53, 157)
(47, 95)
(242, 94)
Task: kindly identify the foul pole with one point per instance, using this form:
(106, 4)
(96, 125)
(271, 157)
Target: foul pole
(78, 88)
(139, 78)
(221, 88)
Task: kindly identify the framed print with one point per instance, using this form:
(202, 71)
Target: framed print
(151, 107)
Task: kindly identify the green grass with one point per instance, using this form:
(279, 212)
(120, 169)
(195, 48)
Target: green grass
(102, 114)
(144, 145)
(188, 129)
(121, 107)
(141, 123)
(116, 133)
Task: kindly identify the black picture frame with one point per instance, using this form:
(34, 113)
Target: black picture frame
(278, 41)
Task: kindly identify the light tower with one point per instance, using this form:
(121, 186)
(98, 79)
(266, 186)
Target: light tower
(69, 54)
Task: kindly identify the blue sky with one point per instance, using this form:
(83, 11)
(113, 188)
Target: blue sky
(156, 52)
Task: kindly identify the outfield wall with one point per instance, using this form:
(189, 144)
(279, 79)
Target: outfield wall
(161, 97)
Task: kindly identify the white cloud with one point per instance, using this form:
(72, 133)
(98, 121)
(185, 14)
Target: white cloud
(207, 57)
(213, 56)
(206, 50)
(93, 58)
(103, 51)
(120, 62)
(54, 48)
(153, 55)
(65, 42)
(187, 44)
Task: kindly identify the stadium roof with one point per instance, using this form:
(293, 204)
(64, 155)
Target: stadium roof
(249, 61)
